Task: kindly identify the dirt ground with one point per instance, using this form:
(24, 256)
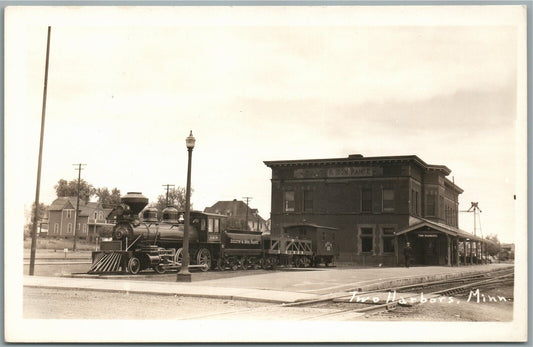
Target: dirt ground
(42, 303)
(458, 308)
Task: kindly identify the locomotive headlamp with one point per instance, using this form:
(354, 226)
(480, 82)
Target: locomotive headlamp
(190, 141)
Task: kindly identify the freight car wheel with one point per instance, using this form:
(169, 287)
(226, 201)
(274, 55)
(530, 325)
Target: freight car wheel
(256, 264)
(134, 265)
(328, 262)
(297, 262)
(243, 263)
(204, 258)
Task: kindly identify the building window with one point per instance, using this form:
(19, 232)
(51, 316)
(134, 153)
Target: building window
(414, 202)
(69, 213)
(417, 207)
(69, 228)
(366, 200)
(388, 200)
(454, 215)
(101, 215)
(430, 204)
(56, 228)
(388, 240)
(217, 225)
(308, 200)
(367, 240)
(95, 215)
(85, 228)
(288, 201)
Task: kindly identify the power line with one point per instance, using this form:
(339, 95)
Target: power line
(168, 189)
(79, 168)
(248, 198)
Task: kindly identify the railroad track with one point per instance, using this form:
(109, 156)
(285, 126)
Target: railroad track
(324, 311)
(441, 288)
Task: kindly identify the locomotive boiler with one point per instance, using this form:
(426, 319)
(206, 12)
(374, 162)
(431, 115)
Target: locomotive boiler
(141, 241)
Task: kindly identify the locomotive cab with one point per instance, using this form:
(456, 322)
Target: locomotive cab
(209, 225)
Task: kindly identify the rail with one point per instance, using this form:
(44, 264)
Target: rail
(499, 278)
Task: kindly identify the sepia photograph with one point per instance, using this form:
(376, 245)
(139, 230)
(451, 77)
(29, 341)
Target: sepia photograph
(283, 174)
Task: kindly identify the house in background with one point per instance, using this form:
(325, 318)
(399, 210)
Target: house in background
(237, 212)
(92, 218)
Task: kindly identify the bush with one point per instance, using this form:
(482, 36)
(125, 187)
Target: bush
(106, 232)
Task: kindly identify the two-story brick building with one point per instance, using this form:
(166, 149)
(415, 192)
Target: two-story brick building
(91, 218)
(377, 203)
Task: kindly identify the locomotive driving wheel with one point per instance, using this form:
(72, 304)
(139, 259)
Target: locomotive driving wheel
(134, 265)
(204, 258)
(178, 256)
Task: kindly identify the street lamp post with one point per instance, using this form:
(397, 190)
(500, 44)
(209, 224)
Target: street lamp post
(184, 275)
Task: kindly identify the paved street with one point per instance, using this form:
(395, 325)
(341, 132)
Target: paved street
(271, 286)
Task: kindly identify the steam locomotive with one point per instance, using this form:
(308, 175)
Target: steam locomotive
(140, 243)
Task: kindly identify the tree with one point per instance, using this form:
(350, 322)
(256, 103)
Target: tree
(176, 198)
(41, 211)
(64, 188)
(493, 248)
(41, 214)
(105, 231)
(106, 198)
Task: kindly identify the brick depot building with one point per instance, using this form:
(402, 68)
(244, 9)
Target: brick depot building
(378, 204)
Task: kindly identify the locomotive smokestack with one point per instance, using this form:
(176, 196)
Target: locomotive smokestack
(136, 201)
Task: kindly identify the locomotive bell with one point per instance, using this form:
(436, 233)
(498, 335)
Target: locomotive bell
(170, 215)
(150, 215)
(135, 200)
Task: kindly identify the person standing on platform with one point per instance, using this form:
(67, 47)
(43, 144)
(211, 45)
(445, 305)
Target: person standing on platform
(407, 254)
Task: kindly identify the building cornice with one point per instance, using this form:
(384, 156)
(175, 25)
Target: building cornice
(359, 159)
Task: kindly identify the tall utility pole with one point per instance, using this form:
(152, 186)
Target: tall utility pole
(38, 187)
(168, 189)
(79, 168)
(248, 198)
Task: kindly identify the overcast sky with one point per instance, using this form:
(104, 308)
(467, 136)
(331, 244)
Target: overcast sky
(122, 98)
